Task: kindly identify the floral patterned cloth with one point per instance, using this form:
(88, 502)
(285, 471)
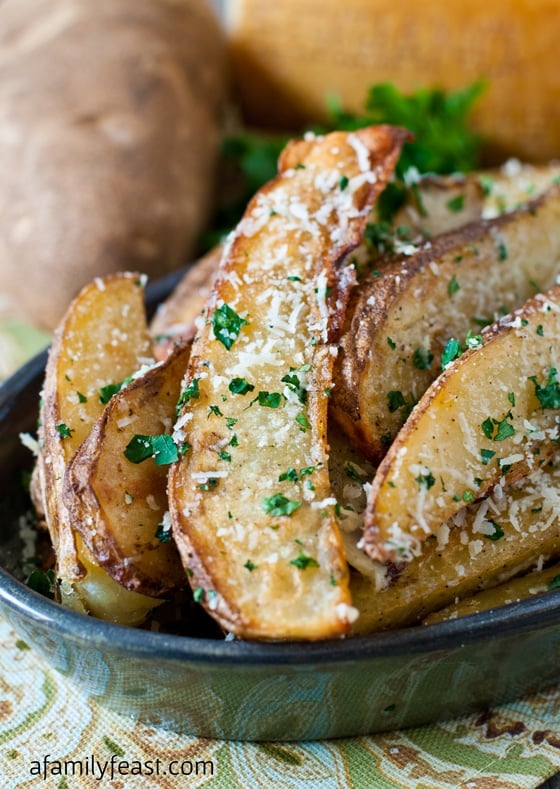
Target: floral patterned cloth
(53, 737)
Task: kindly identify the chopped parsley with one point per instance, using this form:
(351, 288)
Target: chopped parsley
(426, 480)
(343, 183)
(303, 422)
(549, 394)
(497, 534)
(293, 475)
(486, 456)
(498, 430)
(451, 351)
(453, 286)
(81, 397)
(189, 393)
(395, 400)
(278, 504)
(210, 484)
(302, 561)
(227, 324)
(456, 203)
(106, 392)
(163, 533)
(161, 448)
(293, 382)
(554, 583)
(240, 386)
(64, 431)
(268, 399)
(422, 358)
(249, 565)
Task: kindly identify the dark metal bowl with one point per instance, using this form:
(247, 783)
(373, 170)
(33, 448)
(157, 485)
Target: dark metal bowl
(251, 691)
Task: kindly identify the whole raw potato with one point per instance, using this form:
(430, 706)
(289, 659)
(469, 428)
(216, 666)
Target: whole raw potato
(109, 129)
(288, 55)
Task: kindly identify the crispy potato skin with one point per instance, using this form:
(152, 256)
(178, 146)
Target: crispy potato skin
(493, 540)
(109, 116)
(285, 63)
(117, 505)
(437, 462)
(418, 302)
(262, 573)
(102, 340)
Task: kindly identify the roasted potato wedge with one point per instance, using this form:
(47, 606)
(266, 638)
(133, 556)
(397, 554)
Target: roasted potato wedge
(520, 588)
(437, 204)
(102, 340)
(492, 415)
(117, 496)
(399, 321)
(251, 505)
(433, 205)
(511, 531)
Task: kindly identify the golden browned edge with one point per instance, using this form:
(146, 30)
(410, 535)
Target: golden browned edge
(491, 333)
(90, 515)
(370, 304)
(50, 474)
(386, 143)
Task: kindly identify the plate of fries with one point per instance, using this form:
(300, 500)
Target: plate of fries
(314, 490)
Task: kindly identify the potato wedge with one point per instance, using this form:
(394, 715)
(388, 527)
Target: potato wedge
(493, 414)
(102, 340)
(521, 588)
(437, 204)
(251, 505)
(117, 496)
(399, 321)
(509, 532)
(175, 319)
(434, 205)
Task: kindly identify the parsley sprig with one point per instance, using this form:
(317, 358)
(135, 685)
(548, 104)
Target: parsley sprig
(443, 143)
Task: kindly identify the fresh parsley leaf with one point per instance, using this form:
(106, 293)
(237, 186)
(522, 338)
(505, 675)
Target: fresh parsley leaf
(240, 386)
(278, 504)
(161, 448)
(227, 324)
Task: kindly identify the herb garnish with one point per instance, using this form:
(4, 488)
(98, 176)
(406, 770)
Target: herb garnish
(64, 431)
(302, 562)
(498, 429)
(278, 504)
(240, 386)
(227, 324)
(549, 394)
(161, 448)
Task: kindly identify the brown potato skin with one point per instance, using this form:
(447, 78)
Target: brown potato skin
(285, 62)
(109, 116)
(117, 505)
(409, 303)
